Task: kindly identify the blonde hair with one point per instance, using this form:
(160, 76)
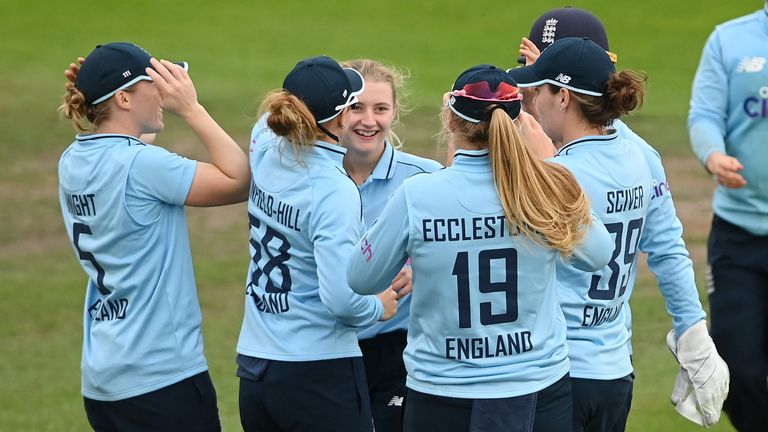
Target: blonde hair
(290, 118)
(374, 71)
(85, 117)
(542, 200)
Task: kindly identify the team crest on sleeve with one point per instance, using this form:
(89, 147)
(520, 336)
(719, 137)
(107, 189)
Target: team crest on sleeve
(751, 65)
(548, 33)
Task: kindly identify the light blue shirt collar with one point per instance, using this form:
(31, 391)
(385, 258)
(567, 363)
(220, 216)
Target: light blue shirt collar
(471, 160)
(611, 136)
(385, 168)
(326, 150)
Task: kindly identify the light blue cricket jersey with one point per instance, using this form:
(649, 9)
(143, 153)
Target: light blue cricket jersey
(485, 320)
(662, 240)
(729, 113)
(615, 176)
(305, 219)
(123, 208)
(393, 167)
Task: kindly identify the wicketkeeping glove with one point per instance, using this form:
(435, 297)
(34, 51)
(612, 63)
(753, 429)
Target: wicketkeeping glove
(701, 386)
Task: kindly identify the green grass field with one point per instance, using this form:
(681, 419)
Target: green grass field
(238, 50)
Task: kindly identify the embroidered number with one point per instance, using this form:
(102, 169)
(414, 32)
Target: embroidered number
(623, 250)
(508, 286)
(81, 228)
(274, 261)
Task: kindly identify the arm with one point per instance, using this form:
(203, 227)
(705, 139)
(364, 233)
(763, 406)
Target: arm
(662, 240)
(707, 116)
(336, 227)
(226, 179)
(595, 249)
(381, 253)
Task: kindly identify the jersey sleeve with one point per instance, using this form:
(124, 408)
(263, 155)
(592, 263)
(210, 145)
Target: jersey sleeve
(381, 253)
(668, 260)
(161, 175)
(595, 250)
(336, 226)
(709, 102)
(157, 177)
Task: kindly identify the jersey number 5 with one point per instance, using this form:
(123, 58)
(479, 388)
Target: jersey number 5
(77, 230)
(508, 285)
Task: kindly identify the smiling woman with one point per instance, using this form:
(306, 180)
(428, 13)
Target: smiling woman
(379, 169)
(123, 206)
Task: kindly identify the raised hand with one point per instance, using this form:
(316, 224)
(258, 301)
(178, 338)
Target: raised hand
(175, 87)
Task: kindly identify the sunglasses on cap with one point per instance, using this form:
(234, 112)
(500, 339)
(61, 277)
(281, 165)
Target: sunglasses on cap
(481, 91)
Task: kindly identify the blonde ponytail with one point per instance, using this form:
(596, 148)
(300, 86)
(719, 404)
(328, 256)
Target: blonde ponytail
(541, 200)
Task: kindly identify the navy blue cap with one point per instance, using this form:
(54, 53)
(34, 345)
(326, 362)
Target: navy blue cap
(324, 86)
(566, 22)
(482, 87)
(113, 67)
(577, 64)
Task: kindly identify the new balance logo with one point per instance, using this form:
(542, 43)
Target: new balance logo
(751, 65)
(396, 401)
(126, 74)
(548, 33)
(563, 78)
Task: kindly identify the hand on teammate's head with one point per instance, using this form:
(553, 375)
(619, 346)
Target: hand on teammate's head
(529, 51)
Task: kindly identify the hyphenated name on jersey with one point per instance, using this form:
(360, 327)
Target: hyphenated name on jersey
(81, 204)
(624, 200)
(594, 316)
(463, 229)
(284, 214)
(108, 309)
(501, 345)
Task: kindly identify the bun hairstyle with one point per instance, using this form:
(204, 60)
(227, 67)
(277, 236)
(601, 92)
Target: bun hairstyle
(586, 70)
(85, 117)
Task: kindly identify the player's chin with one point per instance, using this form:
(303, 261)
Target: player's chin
(156, 127)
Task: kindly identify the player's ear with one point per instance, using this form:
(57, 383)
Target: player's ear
(565, 98)
(122, 99)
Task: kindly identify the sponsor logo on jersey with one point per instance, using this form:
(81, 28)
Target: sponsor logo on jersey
(563, 78)
(548, 33)
(757, 106)
(659, 189)
(396, 401)
(751, 65)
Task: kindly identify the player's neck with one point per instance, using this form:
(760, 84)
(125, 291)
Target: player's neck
(579, 130)
(360, 165)
(118, 127)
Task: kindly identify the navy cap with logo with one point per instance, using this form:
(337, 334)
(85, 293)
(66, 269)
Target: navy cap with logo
(566, 22)
(577, 64)
(481, 89)
(324, 86)
(113, 67)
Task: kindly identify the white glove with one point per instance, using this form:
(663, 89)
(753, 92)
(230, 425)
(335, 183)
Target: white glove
(701, 386)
